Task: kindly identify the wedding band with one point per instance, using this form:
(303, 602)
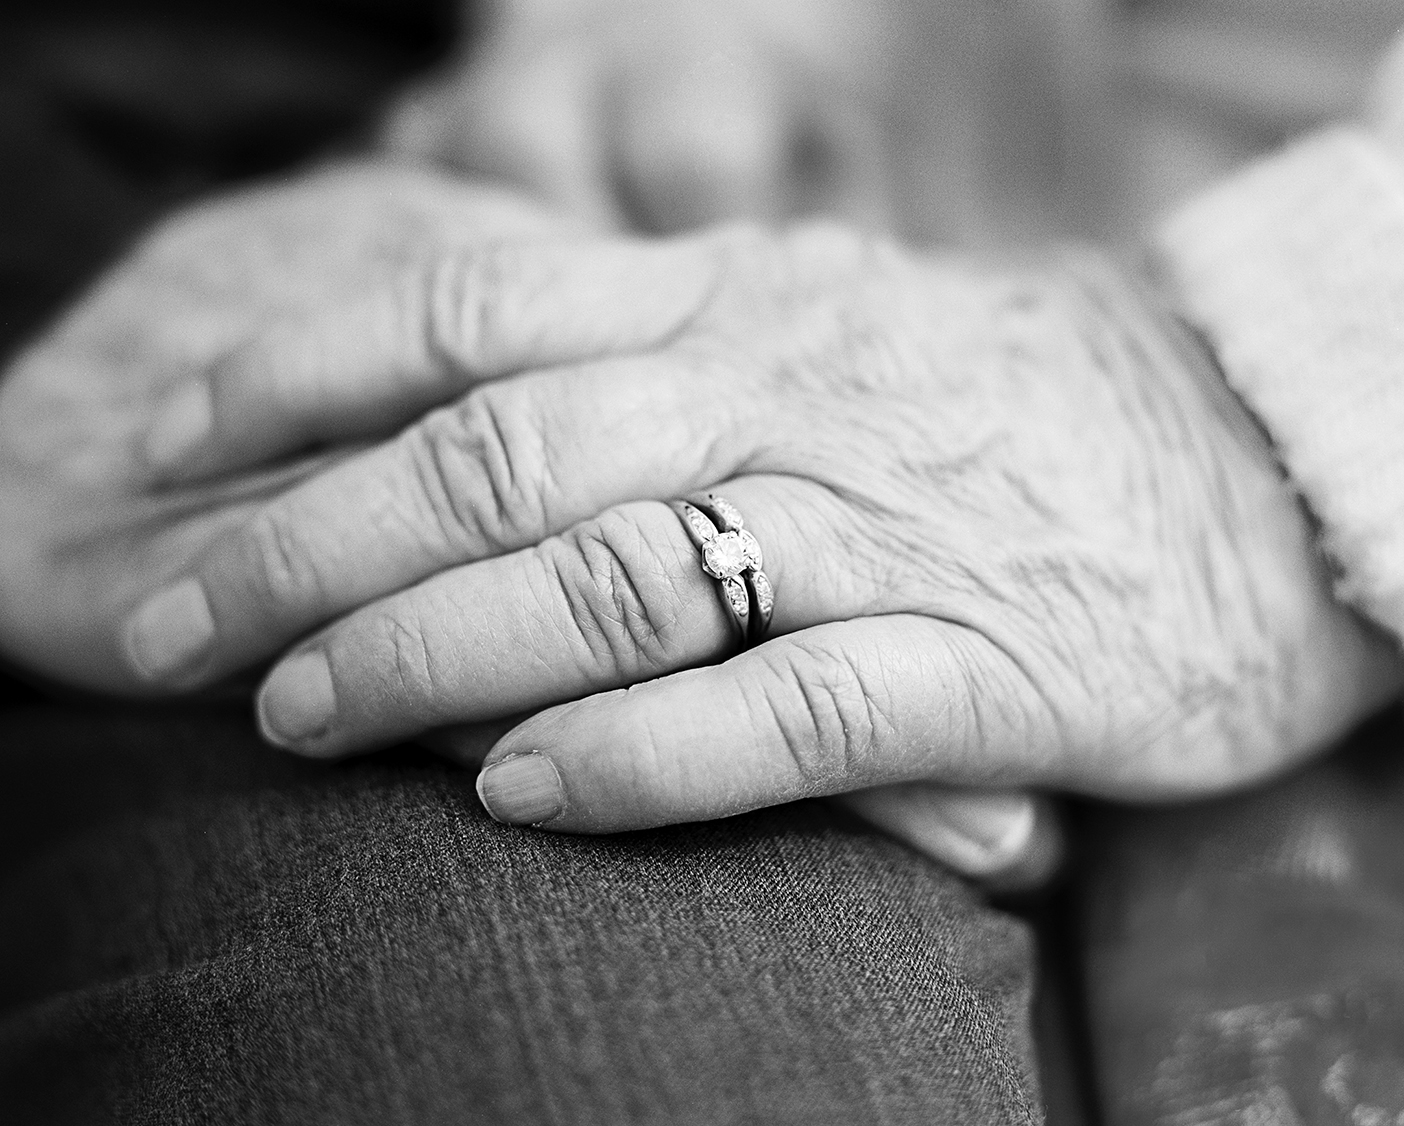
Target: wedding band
(732, 556)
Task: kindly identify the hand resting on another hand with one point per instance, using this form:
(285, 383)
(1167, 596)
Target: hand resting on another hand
(92, 521)
(320, 312)
(1017, 533)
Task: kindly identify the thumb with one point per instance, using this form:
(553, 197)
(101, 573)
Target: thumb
(1008, 840)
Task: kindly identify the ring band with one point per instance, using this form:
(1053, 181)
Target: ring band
(732, 556)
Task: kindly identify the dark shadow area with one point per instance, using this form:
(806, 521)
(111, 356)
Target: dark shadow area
(112, 113)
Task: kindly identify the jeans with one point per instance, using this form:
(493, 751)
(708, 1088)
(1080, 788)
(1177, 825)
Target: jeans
(196, 929)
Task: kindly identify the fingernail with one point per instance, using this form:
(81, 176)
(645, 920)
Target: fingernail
(170, 630)
(297, 700)
(999, 824)
(522, 789)
(181, 424)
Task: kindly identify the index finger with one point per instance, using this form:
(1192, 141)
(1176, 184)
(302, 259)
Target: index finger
(474, 315)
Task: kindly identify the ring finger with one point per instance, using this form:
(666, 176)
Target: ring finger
(613, 601)
(507, 466)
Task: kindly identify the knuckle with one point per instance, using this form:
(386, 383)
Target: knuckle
(828, 720)
(281, 569)
(619, 596)
(416, 672)
(481, 477)
(464, 307)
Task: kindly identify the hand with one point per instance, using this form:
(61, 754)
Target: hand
(1017, 531)
(93, 520)
(107, 429)
(663, 115)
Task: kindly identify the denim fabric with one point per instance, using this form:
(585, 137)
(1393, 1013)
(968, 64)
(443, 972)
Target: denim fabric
(1246, 956)
(195, 929)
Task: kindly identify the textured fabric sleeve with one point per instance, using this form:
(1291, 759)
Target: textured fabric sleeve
(1294, 272)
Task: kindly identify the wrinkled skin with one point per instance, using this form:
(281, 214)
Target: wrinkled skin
(648, 113)
(90, 523)
(98, 515)
(1019, 535)
(665, 115)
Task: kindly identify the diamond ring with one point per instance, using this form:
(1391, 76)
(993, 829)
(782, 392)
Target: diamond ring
(732, 556)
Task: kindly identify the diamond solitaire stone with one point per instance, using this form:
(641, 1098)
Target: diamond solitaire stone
(732, 556)
(730, 553)
(724, 557)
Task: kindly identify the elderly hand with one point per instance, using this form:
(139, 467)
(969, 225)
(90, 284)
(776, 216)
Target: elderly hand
(664, 114)
(1018, 534)
(92, 521)
(109, 434)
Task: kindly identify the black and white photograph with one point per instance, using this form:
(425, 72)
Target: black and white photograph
(702, 562)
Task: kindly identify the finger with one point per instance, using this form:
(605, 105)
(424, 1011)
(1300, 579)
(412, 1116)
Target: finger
(1007, 839)
(509, 465)
(618, 599)
(838, 707)
(478, 314)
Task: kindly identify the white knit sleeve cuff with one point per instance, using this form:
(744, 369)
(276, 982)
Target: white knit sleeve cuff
(1294, 272)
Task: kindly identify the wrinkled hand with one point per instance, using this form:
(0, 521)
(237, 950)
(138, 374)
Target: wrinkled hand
(92, 523)
(109, 437)
(663, 115)
(1017, 531)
